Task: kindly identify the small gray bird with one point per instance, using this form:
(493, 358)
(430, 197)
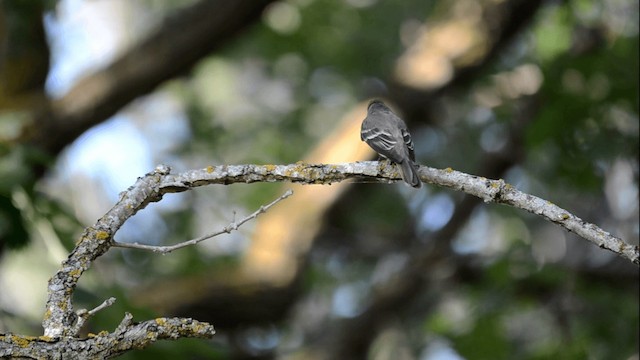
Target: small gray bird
(387, 134)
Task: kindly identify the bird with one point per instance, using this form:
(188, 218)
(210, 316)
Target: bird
(387, 134)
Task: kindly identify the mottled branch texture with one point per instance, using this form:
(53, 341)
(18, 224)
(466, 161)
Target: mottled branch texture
(497, 191)
(127, 336)
(61, 321)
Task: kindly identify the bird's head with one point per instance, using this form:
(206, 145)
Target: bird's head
(376, 104)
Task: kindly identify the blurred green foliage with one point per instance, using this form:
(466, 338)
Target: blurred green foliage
(275, 92)
(588, 112)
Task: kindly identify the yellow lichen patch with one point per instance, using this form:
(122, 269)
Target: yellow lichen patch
(203, 327)
(209, 169)
(495, 184)
(161, 321)
(45, 338)
(564, 216)
(102, 235)
(270, 168)
(75, 273)
(20, 341)
(292, 171)
(448, 170)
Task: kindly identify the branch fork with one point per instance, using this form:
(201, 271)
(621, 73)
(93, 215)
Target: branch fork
(62, 324)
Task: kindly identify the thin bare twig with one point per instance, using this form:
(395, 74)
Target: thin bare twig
(84, 314)
(226, 230)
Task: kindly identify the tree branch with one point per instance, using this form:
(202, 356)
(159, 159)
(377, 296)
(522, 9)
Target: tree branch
(127, 336)
(500, 192)
(60, 321)
(497, 191)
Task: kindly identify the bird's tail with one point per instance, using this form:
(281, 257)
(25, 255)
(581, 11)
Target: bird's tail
(409, 172)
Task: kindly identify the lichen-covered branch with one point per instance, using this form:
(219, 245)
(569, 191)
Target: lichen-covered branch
(497, 191)
(104, 345)
(60, 320)
(500, 192)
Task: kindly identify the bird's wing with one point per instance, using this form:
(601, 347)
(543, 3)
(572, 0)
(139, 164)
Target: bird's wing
(383, 142)
(382, 139)
(409, 143)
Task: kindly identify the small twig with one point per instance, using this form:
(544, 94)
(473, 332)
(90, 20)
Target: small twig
(84, 314)
(233, 225)
(125, 323)
(105, 304)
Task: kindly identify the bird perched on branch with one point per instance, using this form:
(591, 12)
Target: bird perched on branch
(387, 134)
